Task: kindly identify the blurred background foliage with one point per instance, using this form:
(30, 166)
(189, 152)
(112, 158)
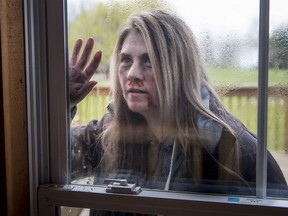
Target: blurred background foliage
(102, 20)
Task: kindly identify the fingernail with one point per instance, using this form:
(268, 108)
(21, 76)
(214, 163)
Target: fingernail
(98, 54)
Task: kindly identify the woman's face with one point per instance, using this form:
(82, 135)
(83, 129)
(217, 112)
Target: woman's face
(136, 76)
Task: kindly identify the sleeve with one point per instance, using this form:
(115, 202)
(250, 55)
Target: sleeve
(276, 183)
(73, 111)
(86, 149)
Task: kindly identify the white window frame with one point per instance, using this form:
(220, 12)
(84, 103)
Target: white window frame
(48, 133)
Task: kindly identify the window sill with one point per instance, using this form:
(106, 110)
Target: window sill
(156, 202)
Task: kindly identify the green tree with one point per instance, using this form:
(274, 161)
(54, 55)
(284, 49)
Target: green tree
(279, 48)
(102, 21)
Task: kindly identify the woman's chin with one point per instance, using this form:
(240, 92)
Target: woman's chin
(138, 107)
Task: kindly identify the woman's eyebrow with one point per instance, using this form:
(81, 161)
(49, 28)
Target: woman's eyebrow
(144, 56)
(123, 54)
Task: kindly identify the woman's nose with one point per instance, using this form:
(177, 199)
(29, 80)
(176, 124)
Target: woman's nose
(135, 72)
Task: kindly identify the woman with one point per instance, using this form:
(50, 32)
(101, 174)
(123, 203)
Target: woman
(166, 127)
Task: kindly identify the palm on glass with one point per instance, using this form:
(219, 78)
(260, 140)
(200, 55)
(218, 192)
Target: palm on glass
(81, 70)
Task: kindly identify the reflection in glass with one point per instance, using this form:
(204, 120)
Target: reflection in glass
(67, 211)
(154, 158)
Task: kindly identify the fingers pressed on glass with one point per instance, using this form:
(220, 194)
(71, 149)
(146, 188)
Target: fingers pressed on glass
(81, 70)
(92, 67)
(86, 54)
(76, 51)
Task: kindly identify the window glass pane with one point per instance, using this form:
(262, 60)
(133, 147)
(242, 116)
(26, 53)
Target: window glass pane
(175, 127)
(278, 85)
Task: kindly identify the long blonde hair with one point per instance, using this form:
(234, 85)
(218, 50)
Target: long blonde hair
(179, 76)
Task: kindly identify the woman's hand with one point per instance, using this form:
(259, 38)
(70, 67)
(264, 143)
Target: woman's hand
(81, 71)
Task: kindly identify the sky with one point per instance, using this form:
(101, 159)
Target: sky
(229, 14)
(216, 15)
(222, 19)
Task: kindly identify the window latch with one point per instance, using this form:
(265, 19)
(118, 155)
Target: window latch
(121, 186)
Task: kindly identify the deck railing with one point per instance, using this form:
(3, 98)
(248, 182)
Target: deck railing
(241, 101)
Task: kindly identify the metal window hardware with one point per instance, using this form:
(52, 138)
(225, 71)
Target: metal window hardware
(121, 186)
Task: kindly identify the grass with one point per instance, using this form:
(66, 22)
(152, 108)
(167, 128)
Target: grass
(236, 76)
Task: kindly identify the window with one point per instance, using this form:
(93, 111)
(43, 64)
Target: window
(49, 116)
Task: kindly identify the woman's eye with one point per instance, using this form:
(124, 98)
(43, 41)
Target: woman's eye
(147, 62)
(125, 60)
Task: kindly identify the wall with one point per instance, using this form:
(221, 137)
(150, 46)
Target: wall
(13, 112)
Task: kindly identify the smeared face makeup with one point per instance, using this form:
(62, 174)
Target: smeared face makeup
(136, 76)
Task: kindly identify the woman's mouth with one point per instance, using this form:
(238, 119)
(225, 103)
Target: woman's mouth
(136, 91)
